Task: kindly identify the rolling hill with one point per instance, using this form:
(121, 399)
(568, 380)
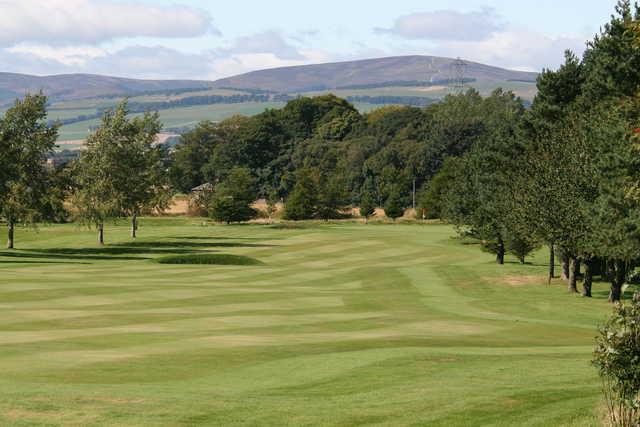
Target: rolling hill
(368, 73)
(400, 70)
(67, 87)
(78, 100)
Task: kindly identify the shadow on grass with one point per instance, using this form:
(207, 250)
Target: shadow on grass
(51, 254)
(43, 262)
(213, 238)
(124, 251)
(152, 245)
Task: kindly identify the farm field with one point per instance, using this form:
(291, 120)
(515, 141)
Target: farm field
(523, 89)
(184, 117)
(340, 324)
(178, 117)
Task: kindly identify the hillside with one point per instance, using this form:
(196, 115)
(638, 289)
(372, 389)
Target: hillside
(369, 72)
(79, 86)
(78, 100)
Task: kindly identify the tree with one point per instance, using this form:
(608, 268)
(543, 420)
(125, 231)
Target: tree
(393, 208)
(616, 357)
(25, 140)
(273, 199)
(367, 205)
(146, 182)
(520, 246)
(479, 198)
(303, 200)
(232, 198)
(331, 198)
(431, 197)
(100, 187)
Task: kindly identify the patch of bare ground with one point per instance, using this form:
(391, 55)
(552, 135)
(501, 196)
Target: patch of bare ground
(517, 281)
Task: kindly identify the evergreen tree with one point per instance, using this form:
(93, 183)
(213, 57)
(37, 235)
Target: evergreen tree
(303, 200)
(480, 196)
(232, 198)
(331, 198)
(367, 205)
(393, 208)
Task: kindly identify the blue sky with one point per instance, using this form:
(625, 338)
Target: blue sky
(211, 39)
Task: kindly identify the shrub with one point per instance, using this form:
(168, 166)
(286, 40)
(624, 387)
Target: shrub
(617, 357)
(367, 206)
(393, 208)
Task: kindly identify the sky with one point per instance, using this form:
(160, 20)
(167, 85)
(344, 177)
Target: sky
(199, 39)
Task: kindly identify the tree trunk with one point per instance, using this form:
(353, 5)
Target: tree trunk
(617, 280)
(134, 226)
(552, 262)
(587, 280)
(10, 233)
(522, 260)
(500, 254)
(573, 274)
(565, 266)
(101, 234)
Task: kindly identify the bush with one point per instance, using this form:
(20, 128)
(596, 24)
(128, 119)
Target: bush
(232, 198)
(393, 208)
(212, 259)
(302, 201)
(617, 357)
(367, 206)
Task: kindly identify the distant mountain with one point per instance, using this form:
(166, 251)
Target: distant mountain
(78, 86)
(368, 72)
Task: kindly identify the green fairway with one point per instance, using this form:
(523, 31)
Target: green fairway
(336, 324)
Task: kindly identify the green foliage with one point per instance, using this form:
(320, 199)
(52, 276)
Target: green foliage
(520, 246)
(208, 259)
(367, 205)
(616, 356)
(431, 199)
(232, 198)
(394, 208)
(480, 190)
(331, 198)
(303, 200)
(121, 173)
(25, 140)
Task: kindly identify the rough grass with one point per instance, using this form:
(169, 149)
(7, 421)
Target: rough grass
(214, 259)
(345, 324)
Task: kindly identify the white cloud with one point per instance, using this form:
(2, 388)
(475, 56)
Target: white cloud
(515, 49)
(68, 22)
(148, 62)
(445, 25)
(73, 56)
(267, 42)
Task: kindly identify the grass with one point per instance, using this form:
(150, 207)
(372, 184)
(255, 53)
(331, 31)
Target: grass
(209, 259)
(344, 324)
(177, 117)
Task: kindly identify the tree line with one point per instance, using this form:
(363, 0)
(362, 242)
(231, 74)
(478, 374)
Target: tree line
(561, 172)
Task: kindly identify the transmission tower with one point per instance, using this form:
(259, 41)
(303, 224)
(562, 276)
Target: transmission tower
(457, 79)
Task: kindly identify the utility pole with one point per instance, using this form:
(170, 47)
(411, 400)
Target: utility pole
(457, 80)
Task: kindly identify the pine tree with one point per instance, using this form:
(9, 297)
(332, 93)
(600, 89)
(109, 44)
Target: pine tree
(303, 200)
(367, 206)
(232, 198)
(393, 208)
